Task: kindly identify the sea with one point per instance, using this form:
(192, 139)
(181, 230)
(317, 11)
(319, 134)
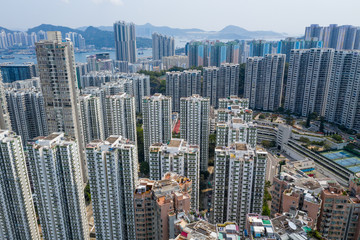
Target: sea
(79, 56)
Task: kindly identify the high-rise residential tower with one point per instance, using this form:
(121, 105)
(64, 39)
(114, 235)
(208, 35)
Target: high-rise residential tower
(264, 78)
(211, 77)
(334, 36)
(17, 211)
(221, 82)
(195, 125)
(113, 175)
(308, 80)
(91, 112)
(239, 181)
(125, 41)
(229, 80)
(58, 187)
(178, 157)
(56, 63)
(121, 116)
(157, 121)
(27, 113)
(182, 84)
(162, 46)
(343, 98)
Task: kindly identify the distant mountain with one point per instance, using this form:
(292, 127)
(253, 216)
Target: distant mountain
(103, 36)
(92, 35)
(229, 32)
(5, 29)
(48, 27)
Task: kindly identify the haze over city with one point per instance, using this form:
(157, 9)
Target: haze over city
(212, 15)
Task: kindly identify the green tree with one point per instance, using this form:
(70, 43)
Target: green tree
(266, 199)
(87, 194)
(304, 140)
(314, 234)
(262, 116)
(140, 142)
(144, 169)
(212, 145)
(337, 137)
(268, 144)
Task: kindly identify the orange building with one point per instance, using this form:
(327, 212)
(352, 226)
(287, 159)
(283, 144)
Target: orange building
(158, 204)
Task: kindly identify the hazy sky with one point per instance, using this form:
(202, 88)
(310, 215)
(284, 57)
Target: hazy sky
(287, 16)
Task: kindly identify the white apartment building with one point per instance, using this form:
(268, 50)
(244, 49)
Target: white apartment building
(233, 100)
(121, 116)
(182, 84)
(27, 113)
(156, 121)
(343, 95)
(92, 121)
(113, 175)
(195, 125)
(236, 130)
(178, 157)
(264, 78)
(210, 81)
(308, 80)
(17, 211)
(58, 187)
(239, 182)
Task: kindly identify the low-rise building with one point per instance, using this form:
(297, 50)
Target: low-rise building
(157, 205)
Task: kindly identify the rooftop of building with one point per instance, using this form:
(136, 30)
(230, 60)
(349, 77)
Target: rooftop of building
(241, 146)
(175, 142)
(228, 230)
(199, 230)
(258, 227)
(287, 224)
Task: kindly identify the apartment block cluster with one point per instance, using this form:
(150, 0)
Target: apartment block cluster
(77, 124)
(321, 80)
(23, 39)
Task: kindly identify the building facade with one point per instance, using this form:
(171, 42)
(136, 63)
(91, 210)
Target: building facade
(180, 158)
(264, 78)
(27, 113)
(113, 175)
(92, 118)
(158, 204)
(58, 187)
(162, 46)
(239, 182)
(182, 84)
(17, 211)
(195, 125)
(56, 63)
(125, 41)
(308, 80)
(121, 116)
(156, 121)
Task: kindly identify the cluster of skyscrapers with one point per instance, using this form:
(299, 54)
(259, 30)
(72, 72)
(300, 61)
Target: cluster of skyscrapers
(334, 36)
(215, 53)
(162, 46)
(324, 81)
(78, 125)
(23, 39)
